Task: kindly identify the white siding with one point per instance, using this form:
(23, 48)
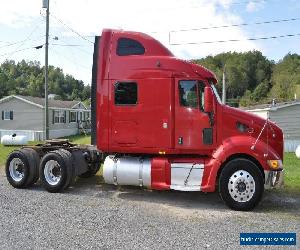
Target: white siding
(56, 133)
(291, 145)
(288, 119)
(28, 120)
(25, 116)
(261, 113)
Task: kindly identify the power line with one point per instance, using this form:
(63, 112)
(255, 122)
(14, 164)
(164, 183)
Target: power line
(16, 51)
(22, 43)
(68, 45)
(4, 42)
(18, 42)
(28, 38)
(238, 25)
(245, 2)
(71, 29)
(67, 58)
(11, 44)
(237, 40)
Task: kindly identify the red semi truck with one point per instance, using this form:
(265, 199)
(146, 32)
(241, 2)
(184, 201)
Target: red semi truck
(158, 122)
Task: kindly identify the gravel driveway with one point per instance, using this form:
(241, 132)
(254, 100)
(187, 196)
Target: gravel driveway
(93, 215)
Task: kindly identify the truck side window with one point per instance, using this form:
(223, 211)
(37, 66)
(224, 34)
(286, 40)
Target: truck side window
(127, 46)
(201, 87)
(126, 93)
(188, 93)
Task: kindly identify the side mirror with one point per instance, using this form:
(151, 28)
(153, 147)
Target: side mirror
(208, 100)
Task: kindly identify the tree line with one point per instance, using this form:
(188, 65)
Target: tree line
(251, 78)
(27, 78)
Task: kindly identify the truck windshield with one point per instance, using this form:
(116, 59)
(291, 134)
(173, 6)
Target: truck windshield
(216, 92)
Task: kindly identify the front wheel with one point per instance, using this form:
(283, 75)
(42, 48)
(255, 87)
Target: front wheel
(241, 184)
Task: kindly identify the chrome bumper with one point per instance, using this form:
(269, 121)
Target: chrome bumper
(273, 179)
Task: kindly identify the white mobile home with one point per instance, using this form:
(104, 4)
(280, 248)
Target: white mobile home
(286, 116)
(24, 115)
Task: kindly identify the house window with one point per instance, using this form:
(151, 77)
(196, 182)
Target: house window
(7, 115)
(80, 118)
(126, 93)
(59, 116)
(87, 116)
(72, 116)
(128, 47)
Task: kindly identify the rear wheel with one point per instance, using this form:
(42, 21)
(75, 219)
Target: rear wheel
(22, 168)
(34, 161)
(55, 171)
(241, 184)
(68, 159)
(93, 169)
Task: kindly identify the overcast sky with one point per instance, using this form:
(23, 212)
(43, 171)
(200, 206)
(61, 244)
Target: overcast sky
(73, 23)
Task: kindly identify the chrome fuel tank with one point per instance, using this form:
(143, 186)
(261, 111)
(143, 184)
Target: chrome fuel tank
(127, 171)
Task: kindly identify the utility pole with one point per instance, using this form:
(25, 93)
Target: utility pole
(46, 114)
(224, 86)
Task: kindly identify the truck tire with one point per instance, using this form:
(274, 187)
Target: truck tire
(34, 162)
(68, 159)
(93, 169)
(241, 184)
(55, 171)
(17, 169)
(22, 168)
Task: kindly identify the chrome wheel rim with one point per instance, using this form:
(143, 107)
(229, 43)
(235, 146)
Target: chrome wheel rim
(16, 169)
(52, 172)
(241, 186)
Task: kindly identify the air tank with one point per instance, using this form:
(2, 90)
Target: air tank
(14, 140)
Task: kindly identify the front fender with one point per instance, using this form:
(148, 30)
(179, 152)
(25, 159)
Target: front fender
(245, 145)
(235, 145)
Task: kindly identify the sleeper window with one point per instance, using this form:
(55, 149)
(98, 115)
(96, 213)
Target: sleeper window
(128, 47)
(126, 93)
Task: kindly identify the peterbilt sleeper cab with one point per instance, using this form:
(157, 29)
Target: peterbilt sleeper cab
(158, 123)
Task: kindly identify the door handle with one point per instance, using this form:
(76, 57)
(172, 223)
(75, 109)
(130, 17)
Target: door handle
(180, 140)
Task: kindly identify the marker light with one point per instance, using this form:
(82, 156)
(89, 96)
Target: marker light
(275, 164)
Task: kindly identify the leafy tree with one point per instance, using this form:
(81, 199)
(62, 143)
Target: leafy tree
(27, 78)
(246, 100)
(261, 91)
(286, 77)
(244, 71)
(250, 78)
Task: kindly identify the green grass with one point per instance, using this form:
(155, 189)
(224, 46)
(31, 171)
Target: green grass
(292, 172)
(5, 150)
(79, 139)
(291, 163)
(298, 91)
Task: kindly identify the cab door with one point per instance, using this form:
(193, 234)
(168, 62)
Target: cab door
(193, 130)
